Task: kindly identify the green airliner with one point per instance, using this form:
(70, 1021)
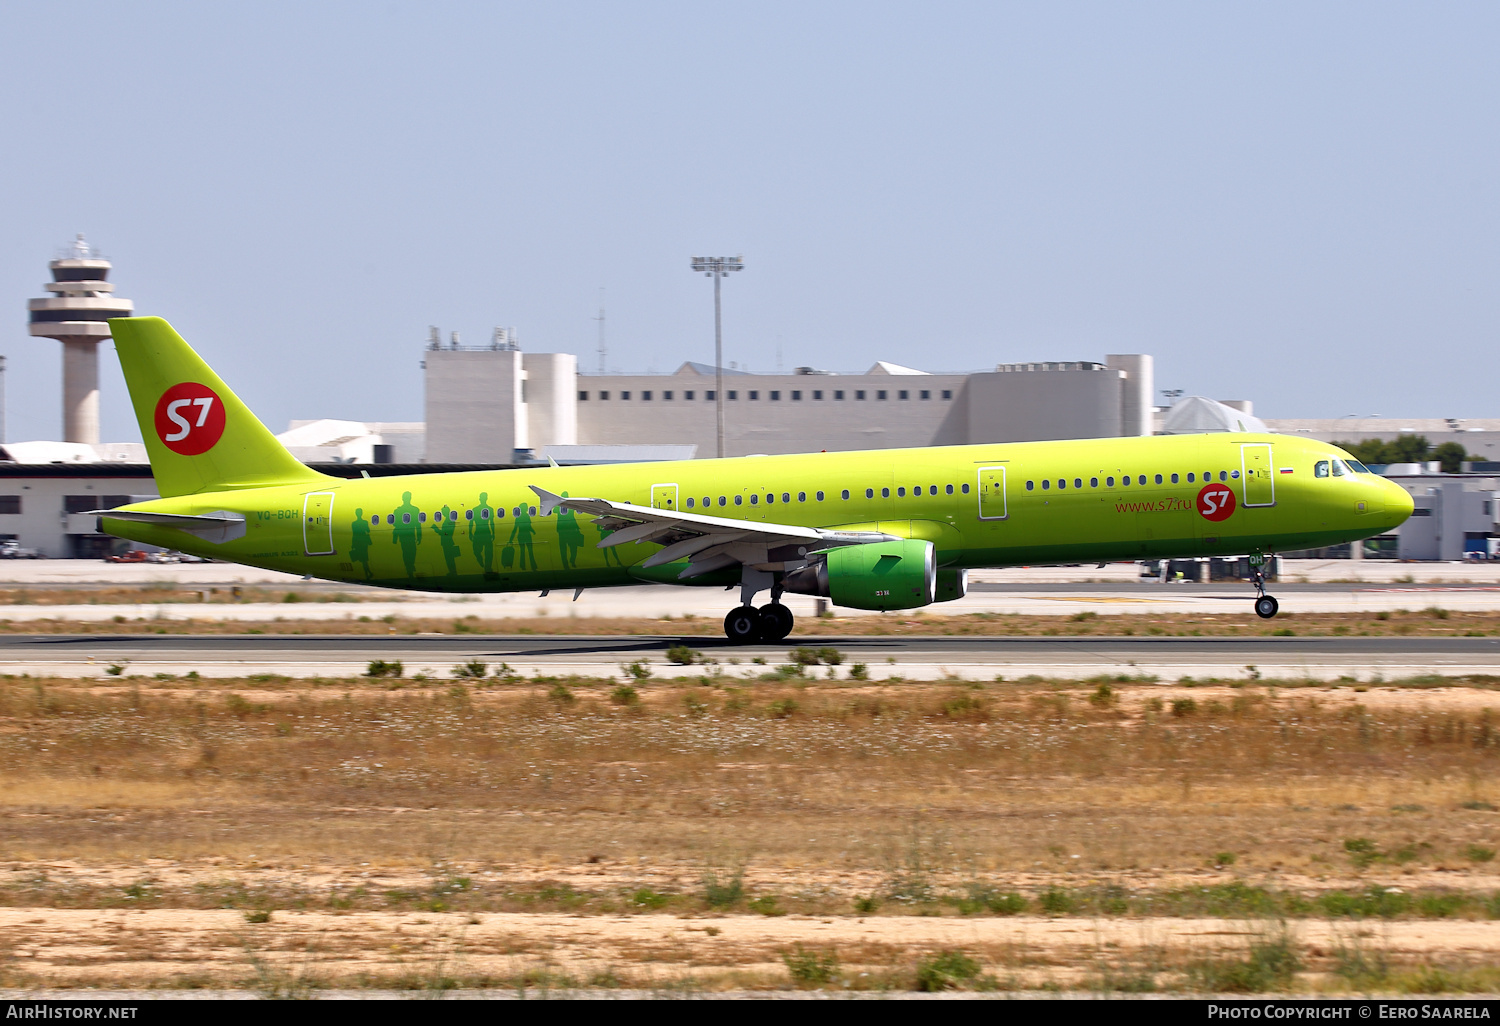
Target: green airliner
(884, 529)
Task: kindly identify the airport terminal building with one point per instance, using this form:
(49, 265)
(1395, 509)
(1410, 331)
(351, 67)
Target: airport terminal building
(493, 405)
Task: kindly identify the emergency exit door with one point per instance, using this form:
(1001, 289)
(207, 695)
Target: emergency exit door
(992, 494)
(317, 524)
(1260, 476)
(664, 496)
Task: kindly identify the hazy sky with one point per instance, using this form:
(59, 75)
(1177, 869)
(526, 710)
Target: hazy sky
(1294, 203)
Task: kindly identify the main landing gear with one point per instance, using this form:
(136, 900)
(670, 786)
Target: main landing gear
(1265, 605)
(771, 622)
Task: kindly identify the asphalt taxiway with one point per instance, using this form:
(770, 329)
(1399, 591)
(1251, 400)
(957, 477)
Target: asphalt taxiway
(911, 658)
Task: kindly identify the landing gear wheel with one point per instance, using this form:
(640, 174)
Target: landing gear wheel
(775, 621)
(742, 625)
(1266, 606)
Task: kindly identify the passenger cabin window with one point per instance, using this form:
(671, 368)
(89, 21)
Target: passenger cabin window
(1030, 486)
(846, 494)
(1109, 481)
(801, 497)
(1093, 482)
(869, 493)
(739, 500)
(1190, 477)
(690, 502)
(966, 489)
(950, 489)
(1078, 482)
(1046, 484)
(885, 493)
(1158, 479)
(900, 493)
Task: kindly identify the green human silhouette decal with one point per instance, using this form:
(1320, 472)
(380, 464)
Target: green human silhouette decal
(359, 542)
(569, 536)
(482, 533)
(444, 528)
(521, 534)
(407, 532)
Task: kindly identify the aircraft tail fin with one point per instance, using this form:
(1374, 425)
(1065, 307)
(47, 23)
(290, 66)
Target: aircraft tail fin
(198, 433)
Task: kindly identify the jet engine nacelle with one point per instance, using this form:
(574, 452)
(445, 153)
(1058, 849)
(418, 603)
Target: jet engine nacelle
(878, 575)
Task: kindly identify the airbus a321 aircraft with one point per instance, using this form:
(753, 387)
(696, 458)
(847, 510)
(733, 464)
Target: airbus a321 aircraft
(884, 529)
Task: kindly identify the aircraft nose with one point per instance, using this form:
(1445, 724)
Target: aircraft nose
(1398, 503)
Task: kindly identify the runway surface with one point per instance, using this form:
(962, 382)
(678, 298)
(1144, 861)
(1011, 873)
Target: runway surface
(910, 658)
(1308, 586)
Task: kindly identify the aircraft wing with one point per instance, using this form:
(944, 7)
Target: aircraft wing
(707, 543)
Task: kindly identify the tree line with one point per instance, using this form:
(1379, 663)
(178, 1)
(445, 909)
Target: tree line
(1408, 449)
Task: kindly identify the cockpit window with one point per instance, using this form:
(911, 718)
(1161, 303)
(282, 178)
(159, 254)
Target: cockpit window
(1339, 470)
(1357, 467)
(1320, 468)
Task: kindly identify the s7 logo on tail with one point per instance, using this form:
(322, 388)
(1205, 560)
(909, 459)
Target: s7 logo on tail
(190, 418)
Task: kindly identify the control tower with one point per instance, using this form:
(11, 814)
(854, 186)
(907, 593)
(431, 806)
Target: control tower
(77, 315)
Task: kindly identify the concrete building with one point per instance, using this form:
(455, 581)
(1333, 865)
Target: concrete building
(78, 316)
(1455, 514)
(42, 505)
(497, 404)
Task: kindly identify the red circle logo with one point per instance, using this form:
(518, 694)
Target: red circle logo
(1215, 501)
(189, 418)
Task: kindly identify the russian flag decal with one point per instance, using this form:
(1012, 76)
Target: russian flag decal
(1286, 470)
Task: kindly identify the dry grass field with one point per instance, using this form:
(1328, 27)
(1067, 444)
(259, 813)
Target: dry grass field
(705, 833)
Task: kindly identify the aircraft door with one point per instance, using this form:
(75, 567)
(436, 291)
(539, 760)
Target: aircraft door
(317, 523)
(992, 494)
(664, 496)
(1260, 479)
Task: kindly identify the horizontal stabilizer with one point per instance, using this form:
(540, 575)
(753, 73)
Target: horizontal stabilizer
(218, 527)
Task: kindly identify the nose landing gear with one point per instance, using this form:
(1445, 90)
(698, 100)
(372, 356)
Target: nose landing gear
(1265, 605)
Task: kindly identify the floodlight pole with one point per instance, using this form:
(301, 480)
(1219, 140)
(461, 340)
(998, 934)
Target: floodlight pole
(717, 268)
